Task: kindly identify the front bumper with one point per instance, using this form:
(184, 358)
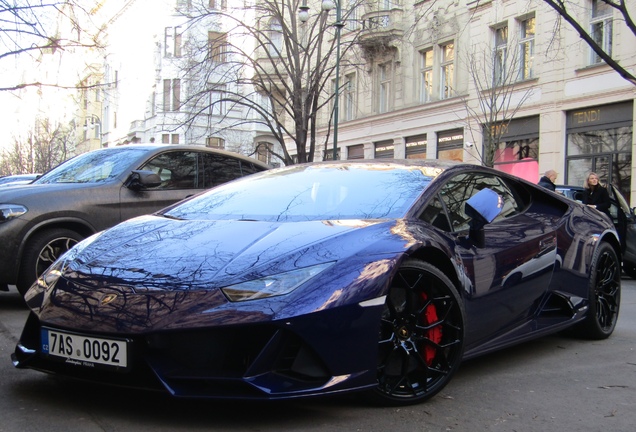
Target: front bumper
(305, 356)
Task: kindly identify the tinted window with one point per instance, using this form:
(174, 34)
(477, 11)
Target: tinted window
(218, 169)
(460, 189)
(313, 193)
(177, 169)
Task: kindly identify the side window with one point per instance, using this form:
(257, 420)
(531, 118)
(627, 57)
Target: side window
(462, 187)
(248, 168)
(218, 169)
(178, 170)
(435, 214)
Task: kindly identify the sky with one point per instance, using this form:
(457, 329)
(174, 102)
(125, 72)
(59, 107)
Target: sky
(131, 40)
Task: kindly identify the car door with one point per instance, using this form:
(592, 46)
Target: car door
(510, 272)
(180, 178)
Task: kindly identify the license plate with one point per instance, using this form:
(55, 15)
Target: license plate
(87, 351)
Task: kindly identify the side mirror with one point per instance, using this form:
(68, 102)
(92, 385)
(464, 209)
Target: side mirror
(483, 208)
(142, 179)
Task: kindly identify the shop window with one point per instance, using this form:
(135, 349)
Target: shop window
(450, 145)
(416, 147)
(384, 149)
(355, 152)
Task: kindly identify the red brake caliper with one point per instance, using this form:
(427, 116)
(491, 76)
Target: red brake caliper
(434, 334)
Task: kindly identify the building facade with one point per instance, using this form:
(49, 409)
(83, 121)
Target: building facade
(500, 82)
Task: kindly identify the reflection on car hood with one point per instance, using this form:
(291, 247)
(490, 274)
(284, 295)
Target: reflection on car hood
(206, 254)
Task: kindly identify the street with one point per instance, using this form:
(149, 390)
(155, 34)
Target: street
(552, 384)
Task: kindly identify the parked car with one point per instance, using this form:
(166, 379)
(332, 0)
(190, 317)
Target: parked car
(623, 218)
(96, 190)
(17, 179)
(324, 278)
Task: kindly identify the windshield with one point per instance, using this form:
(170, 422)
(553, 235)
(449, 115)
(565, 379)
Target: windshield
(319, 192)
(93, 167)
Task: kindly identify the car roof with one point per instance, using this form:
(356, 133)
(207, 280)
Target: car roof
(170, 147)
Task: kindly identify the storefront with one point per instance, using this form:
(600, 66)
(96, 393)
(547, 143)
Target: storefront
(355, 151)
(599, 139)
(416, 147)
(383, 149)
(450, 145)
(517, 149)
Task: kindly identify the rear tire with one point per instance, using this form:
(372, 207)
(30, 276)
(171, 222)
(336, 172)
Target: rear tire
(421, 336)
(42, 250)
(604, 295)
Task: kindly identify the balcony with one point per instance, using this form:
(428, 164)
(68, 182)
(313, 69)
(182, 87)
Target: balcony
(381, 29)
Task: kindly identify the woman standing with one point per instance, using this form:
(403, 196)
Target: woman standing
(595, 195)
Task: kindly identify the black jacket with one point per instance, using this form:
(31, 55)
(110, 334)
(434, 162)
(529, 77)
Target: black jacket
(598, 197)
(547, 183)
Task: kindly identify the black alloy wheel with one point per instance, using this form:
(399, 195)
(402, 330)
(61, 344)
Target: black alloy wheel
(604, 295)
(421, 336)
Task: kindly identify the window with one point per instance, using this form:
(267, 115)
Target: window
(383, 149)
(355, 151)
(217, 4)
(171, 94)
(170, 139)
(500, 55)
(384, 75)
(447, 69)
(349, 96)
(275, 38)
(526, 48)
(450, 145)
(215, 142)
(426, 75)
(217, 102)
(416, 147)
(264, 152)
(218, 46)
(177, 170)
(460, 189)
(218, 169)
(352, 17)
(172, 42)
(601, 28)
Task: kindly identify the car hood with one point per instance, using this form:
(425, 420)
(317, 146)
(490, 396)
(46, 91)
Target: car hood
(151, 252)
(153, 273)
(17, 194)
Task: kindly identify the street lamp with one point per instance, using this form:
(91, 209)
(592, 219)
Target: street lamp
(303, 16)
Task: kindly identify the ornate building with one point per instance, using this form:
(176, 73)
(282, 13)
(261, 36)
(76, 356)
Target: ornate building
(500, 82)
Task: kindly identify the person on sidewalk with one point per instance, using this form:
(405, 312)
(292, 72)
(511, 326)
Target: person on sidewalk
(548, 179)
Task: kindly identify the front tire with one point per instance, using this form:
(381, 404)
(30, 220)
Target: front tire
(604, 295)
(421, 335)
(43, 250)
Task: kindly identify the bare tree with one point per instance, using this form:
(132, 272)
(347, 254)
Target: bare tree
(269, 65)
(31, 28)
(44, 147)
(497, 75)
(592, 36)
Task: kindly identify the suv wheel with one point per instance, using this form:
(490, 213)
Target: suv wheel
(41, 251)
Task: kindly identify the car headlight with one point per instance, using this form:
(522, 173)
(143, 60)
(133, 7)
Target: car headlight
(49, 278)
(10, 211)
(274, 285)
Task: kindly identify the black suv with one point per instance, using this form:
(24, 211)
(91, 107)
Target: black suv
(96, 190)
(624, 220)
